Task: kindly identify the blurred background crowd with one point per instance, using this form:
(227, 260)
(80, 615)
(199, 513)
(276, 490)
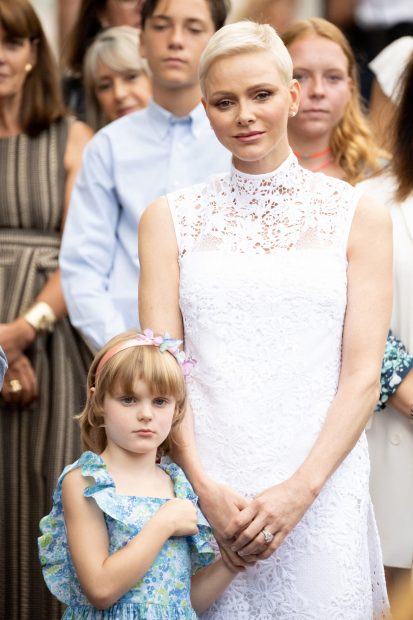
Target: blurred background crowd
(90, 69)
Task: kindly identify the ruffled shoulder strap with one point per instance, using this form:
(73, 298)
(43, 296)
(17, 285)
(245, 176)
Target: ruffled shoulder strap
(52, 544)
(202, 552)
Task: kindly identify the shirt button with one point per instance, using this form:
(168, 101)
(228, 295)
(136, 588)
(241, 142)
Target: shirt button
(395, 439)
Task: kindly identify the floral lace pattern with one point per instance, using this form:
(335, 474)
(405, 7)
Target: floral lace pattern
(164, 591)
(263, 287)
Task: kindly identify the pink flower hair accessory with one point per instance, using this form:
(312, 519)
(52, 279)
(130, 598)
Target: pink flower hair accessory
(165, 343)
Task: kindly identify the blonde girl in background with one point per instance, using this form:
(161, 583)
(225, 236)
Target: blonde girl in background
(125, 535)
(329, 133)
(116, 78)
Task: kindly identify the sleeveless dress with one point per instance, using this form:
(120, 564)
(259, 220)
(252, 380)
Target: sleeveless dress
(37, 440)
(164, 591)
(263, 297)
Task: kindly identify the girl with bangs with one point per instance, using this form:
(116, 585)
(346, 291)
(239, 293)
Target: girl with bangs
(125, 534)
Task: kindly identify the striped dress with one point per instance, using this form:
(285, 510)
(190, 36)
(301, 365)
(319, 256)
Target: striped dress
(38, 440)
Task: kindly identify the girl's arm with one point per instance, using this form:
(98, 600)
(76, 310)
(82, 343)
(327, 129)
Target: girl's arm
(105, 577)
(208, 584)
(159, 310)
(366, 323)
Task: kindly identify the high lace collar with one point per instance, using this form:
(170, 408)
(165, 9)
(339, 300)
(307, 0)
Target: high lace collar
(249, 187)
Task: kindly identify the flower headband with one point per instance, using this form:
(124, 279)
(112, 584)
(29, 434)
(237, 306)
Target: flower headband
(165, 343)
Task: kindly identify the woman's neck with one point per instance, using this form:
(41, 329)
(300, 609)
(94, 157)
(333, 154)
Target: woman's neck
(10, 116)
(316, 155)
(316, 161)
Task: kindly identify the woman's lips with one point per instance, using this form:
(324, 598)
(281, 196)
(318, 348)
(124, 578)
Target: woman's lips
(249, 137)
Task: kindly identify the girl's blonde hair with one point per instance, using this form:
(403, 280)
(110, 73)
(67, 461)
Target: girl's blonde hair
(160, 371)
(118, 49)
(243, 37)
(351, 141)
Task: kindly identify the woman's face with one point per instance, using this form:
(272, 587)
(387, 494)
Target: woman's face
(121, 13)
(248, 103)
(16, 56)
(121, 93)
(321, 68)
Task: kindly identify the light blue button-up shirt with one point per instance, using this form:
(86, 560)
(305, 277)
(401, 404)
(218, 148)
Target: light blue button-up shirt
(126, 166)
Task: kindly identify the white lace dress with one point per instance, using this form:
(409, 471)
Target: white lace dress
(263, 297)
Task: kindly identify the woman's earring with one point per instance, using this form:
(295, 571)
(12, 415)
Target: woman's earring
(28, 67)
(292, 113)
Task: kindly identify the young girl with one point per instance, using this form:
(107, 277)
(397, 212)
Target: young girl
(125, 535)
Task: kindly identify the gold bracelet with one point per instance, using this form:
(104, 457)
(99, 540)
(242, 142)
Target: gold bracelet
(41, 317)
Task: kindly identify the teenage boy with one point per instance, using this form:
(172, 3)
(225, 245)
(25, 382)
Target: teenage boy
(134, 160)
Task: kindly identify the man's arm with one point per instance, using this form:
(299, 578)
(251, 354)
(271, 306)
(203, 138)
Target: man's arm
(89, 245)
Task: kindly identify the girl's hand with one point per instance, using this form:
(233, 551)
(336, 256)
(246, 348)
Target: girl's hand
(15, 337)
(221, 505)
(22, 370)
(277, 510)
(181, 517)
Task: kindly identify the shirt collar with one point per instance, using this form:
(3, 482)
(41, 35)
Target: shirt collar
(164, 120)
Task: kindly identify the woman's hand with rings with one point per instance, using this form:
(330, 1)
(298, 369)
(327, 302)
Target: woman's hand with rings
(259, 529)
(20, 383)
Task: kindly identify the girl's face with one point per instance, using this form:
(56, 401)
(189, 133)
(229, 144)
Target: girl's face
(121, 93)
(15, 54)
(139, 422)
(321, 68)
(248, 103)
(121, 13)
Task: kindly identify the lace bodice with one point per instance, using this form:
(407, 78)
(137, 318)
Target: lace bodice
(289, 209)
(263, 293)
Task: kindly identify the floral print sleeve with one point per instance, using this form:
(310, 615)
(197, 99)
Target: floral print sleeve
(396, 364)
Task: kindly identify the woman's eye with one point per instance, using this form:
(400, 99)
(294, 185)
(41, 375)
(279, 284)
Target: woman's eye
(103, 86)
(299, 77)
(223, 104)
(131, 77)
(335, 78)
(263, 95)
(14, 43)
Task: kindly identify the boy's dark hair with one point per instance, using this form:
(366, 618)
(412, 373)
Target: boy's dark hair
(219, 11)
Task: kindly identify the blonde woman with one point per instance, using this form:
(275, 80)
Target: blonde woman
(116, 77)
(269, 273)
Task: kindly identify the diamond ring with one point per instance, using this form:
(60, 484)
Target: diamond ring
(267, 536)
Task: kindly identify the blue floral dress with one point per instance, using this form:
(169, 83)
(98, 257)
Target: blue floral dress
(164, 591)
(397, 363)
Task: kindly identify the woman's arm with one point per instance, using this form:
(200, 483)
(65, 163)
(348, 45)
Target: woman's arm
(159, 310)
(367, 318)
(19, 334)
(106, 577)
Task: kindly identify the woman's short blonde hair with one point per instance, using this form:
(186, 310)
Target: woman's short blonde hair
(160, 371)
(244, 37)
(118, 49)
